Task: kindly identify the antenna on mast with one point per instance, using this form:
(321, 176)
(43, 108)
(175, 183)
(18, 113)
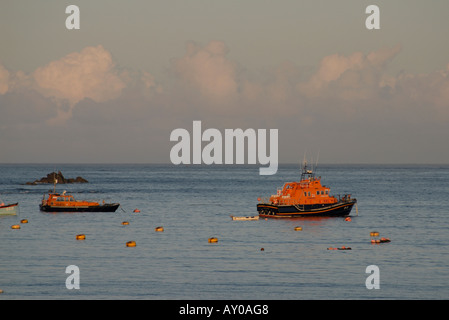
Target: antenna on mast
(304, 162)
(316, 164)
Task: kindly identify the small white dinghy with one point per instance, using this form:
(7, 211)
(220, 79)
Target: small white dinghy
(245, 218)
(9, 209)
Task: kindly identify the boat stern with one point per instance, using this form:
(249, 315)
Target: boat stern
(267, 210)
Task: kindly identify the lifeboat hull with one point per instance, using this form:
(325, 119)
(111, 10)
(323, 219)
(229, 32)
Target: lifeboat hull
(341, 208)
(108, 207)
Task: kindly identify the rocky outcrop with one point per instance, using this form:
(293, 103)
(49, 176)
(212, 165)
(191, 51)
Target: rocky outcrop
(51, 177)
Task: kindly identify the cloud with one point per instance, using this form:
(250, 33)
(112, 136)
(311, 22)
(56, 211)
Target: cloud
(20, 104)
(207, 69)
(356, 76)
(426, 95)
(351, 98)
(90, 73)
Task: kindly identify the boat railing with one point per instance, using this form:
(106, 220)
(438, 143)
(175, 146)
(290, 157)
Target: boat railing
(294, 201)
(281, 201)
(264, 199)
(288, 201)
(346, 198)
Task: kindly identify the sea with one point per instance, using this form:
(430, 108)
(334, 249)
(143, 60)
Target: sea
(266, 260)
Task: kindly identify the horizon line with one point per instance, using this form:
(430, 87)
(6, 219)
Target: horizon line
(210, 165)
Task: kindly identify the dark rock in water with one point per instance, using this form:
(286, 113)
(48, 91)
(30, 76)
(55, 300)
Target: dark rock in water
(51, 177)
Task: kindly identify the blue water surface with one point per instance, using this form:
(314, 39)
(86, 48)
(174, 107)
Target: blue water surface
(407, 203)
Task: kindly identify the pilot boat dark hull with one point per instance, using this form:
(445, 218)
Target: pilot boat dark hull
(341, 208)
(107, 207)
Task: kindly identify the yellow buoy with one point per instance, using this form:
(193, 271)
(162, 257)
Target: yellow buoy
(159, 229)
(131, 244)
(15, 226)
(24, 221)
(80, 237)
(213, 240)
(374, 234)
(125, 223)
(298, 228)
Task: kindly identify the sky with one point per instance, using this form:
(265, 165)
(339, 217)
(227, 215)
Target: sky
(113, 90)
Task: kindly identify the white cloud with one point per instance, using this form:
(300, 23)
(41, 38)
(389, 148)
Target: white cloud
(207, 70)
(90, 73)
(356, 76)
(351, 97)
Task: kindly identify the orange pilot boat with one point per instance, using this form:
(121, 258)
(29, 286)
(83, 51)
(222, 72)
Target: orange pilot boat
(305, 198)
(66, 203)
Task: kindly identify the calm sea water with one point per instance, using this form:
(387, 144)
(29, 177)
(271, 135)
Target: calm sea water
(408, 204)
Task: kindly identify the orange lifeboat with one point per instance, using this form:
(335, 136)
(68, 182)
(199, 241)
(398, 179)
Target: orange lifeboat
(66, 203)
(308, 197)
